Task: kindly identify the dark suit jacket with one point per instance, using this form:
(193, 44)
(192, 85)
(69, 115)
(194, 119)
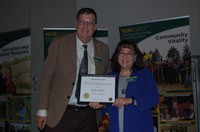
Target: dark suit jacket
(59, 75)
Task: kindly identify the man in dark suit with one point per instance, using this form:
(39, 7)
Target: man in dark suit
(58, 109)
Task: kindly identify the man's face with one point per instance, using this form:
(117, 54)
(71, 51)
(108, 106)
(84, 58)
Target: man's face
(86, 26)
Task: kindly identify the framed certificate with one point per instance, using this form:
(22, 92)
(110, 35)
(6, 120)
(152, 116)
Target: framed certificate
(98, 88)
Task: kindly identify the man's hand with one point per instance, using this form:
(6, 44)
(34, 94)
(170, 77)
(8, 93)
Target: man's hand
(41, 122)
(95, 105)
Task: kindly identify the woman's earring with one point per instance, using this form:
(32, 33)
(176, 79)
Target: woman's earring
(135, 58)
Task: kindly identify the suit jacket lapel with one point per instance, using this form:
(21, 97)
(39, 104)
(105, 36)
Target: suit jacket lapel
(70, 51)
(97, 54)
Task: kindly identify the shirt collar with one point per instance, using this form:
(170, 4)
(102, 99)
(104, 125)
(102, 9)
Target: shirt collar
(79, 43)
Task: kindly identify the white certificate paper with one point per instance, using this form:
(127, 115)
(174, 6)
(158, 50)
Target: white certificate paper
(98, 88)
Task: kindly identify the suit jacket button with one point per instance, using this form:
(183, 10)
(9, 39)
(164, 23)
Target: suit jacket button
(73, 83)
(68, 97)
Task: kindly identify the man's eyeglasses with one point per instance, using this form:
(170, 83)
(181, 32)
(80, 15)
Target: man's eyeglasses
(86, 22)
(122, 54)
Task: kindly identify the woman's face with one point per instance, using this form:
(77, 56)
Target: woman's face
(126, 58)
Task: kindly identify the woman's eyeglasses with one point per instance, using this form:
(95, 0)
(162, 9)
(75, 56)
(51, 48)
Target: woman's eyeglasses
(122, 54)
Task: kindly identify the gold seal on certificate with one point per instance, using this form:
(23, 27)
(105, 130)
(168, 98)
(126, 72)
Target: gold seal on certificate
(98, 88)
(86, 95)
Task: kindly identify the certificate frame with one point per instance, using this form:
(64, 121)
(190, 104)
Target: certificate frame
(98, 88)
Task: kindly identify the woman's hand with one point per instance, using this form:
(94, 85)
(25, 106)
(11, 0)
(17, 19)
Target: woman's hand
(120, 102)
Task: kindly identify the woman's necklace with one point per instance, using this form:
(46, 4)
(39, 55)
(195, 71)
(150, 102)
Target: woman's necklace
(124, 74)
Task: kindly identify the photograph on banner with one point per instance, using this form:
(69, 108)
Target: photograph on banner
(166, 48)
(15, 48)
(19, 108)
(176, 106)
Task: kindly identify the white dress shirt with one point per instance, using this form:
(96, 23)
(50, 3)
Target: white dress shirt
(91, 64)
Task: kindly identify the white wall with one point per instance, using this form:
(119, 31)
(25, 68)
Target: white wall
(14, 15)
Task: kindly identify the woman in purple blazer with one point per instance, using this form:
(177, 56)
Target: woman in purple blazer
(137, 91)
